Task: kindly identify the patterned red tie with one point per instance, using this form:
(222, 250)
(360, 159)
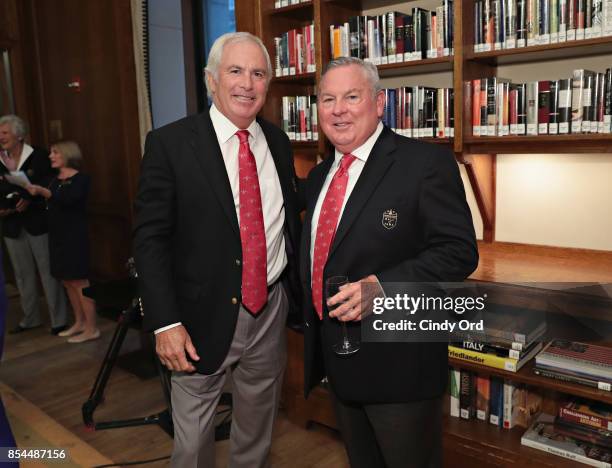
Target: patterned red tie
(326, 228)
(252, 231)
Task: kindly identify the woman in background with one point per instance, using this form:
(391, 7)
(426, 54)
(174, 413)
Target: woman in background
(68, 238)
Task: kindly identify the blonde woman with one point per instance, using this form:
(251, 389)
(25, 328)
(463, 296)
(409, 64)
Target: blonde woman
(68, 239)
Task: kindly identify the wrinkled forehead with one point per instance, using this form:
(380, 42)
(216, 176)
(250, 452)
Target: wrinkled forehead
(344, 79)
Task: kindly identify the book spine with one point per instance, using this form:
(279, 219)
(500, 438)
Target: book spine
(590, 420)
(509, 389)
(488, 360)
(532, 108)
(543, 106)
(607, 101)
(598, 125)
(483, 394)
(521, 23)
(496, 409)
(491, 106)
(565, 105)
(563, 453)
(573, 378)
(553, 109)
(314, 118)
(466, 390)
(587, 102)
(455, 382)
(488, 348)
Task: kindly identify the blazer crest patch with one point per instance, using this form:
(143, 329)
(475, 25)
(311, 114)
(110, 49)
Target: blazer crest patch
(389, 219)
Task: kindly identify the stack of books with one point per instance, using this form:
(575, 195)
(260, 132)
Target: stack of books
(586, 421)
(500, 402)
(395, 37)
(545, 434)
(572, 361)
(299, 115)
(420, 112)
(511, 337)
(581, 104)
(507, 24)
(295, 52)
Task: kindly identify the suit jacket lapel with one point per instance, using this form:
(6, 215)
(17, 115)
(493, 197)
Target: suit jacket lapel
(208, 154)
(375, 168)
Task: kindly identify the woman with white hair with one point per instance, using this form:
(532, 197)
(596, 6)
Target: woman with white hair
(24, 226)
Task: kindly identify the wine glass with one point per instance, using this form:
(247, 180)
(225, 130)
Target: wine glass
(345, 347)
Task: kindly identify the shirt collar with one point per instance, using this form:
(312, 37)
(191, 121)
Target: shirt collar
(364, 150)
(225, 128)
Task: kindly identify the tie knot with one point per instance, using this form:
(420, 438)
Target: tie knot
(346, 161)
(243, 136)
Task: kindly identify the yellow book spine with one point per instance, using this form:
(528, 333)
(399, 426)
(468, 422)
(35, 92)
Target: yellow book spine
(488, 360)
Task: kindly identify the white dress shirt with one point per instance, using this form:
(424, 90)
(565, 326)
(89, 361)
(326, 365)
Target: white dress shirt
(272, 201)
(362, 153)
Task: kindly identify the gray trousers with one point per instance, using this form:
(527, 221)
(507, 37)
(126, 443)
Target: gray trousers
(256, 362)
(28, 252)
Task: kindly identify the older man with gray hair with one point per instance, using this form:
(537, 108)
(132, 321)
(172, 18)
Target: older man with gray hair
(382, 209)
(24, 226)
(216, 233)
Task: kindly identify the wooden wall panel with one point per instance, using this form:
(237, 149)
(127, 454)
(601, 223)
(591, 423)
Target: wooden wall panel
(91, 41)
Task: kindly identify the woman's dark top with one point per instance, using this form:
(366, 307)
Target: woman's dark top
(68, 237)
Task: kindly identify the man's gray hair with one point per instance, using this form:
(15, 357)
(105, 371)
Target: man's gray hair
(18, 126)
(369, 70)
(216, 54)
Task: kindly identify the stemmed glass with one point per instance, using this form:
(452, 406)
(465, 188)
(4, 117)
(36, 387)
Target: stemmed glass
(345, 347)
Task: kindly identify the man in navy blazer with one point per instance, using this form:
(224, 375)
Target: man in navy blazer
(215, 242)
(382, 208)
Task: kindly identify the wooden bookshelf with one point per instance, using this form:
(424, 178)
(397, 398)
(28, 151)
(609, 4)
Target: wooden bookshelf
(467, 443)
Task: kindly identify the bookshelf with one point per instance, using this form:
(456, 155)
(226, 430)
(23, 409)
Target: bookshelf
(478, 154)
(466, 442)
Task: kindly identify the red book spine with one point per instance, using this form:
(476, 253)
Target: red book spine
(585, 419)
(543, 101)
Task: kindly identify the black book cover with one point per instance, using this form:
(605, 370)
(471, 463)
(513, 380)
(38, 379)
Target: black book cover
(608, 92)
(431, 114)
(521, 19)
(466, 389)
(521, 106)
(565, 100)
(553, 107)
(409, 33)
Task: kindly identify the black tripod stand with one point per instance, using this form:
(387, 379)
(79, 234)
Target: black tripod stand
(128, 317)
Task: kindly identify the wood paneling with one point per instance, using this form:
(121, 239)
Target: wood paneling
(90, 41)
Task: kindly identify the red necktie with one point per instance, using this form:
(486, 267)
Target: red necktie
(326, 228)
(252, 231)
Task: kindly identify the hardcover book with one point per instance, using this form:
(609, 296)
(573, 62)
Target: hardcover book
(542, 436)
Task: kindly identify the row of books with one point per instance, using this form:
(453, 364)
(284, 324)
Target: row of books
(284, 3)
(581, 104)
(299, 115)
(295, 52)
(395, 37)
(420, 112)
(508, 24)
(494, 400)
(581, 431)
(572, 361)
